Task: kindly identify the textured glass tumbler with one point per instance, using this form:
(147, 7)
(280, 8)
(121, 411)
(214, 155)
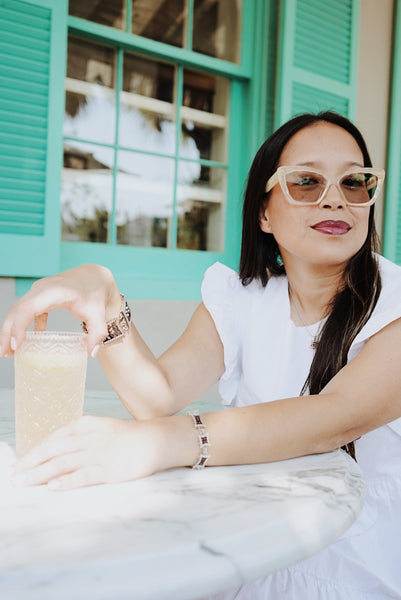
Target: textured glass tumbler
(50, 373)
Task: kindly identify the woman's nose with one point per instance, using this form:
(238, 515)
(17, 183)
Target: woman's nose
(333, 198)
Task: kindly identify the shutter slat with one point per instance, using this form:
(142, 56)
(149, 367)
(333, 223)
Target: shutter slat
(318, 57)
(30, 218)
(24, 89)
(16, 140)
(15, 206)
(19, 129)
(24, 41)
(12, 69)
(20, 195)
(25, 11)
(18, 105)
(21, 228)
(306, 99)
(17, 81)
(33, 40)
(22, 24)
(35, 55)
(10, 183)
(26, 163)
(33, 120)
(22, 152)
(29, 97)
(20, 173)
(324, 49)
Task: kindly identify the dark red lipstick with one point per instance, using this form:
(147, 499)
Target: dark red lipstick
(332, 227)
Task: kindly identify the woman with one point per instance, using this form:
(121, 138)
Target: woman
(305, 342)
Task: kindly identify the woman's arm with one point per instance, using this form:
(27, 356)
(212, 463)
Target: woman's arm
(364, 395)
(148, 387)
(151, 387)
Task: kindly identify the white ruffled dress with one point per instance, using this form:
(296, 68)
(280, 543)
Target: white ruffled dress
(267, 358)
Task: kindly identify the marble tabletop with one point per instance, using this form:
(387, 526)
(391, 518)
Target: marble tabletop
(177, 535)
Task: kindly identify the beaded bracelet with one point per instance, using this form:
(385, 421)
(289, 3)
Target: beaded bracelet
(203, 438)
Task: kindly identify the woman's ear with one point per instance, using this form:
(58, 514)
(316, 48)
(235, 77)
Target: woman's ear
(264, 222)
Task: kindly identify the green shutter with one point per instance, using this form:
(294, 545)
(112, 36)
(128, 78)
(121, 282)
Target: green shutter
(392, 216)
(32, 60)
(317, 57)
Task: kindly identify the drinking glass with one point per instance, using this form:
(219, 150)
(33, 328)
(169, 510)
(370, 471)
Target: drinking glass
(50, 373)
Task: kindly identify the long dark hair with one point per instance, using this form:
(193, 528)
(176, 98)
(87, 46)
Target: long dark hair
(354, 302)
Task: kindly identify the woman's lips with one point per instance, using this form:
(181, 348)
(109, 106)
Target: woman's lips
(332, 227)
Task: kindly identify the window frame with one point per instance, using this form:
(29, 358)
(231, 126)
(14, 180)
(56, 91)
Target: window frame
(168, 273)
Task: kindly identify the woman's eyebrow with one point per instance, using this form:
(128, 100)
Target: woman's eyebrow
(313, 163)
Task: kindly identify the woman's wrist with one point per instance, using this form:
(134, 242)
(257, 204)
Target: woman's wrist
(178, 439)
(113, 298)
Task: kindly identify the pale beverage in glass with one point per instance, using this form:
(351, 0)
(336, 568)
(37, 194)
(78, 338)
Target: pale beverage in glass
(50, 373)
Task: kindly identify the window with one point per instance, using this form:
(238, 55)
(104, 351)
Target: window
(145, 138)
(213, 25)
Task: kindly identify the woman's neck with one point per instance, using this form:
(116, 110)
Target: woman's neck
(311, 293)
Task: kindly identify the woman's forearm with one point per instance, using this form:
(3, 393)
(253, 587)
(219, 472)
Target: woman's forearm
(263, 432)
(151, 387)
(136, 376)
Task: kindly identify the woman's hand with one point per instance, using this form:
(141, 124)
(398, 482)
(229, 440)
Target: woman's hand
(89, 292)
(94, 450)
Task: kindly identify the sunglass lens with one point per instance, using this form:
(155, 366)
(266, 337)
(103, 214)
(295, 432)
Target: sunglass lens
(305, 186)
(359, 188)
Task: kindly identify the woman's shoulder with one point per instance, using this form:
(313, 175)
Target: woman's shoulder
(388, 307)
(221, 277)
(390, 272)
(224, 280)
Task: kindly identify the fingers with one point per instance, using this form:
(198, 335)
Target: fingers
(62, 459)
(87, 304)
(83, 477)
(41, 321)
(46, 471)
(90, 451)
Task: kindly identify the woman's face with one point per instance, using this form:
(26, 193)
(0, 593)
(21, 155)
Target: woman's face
(331, 232)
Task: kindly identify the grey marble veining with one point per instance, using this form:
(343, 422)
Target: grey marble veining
(176, 535)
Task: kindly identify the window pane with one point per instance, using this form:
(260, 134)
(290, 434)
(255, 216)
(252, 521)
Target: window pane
(90, 94)
(200, 206)
(105, 12)
(86, 193)
(216, 29)
(147, 110)
(144, 199)
(204, 116)
(159, 20)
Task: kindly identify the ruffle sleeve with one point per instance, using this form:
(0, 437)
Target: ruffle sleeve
(387, 310)
(221, 289)
(388, 307)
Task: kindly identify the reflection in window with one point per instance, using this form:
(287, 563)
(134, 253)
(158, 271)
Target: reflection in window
(205, 114)
(141, 184)
(200, 195)
(216, 28)
(90, 97)
(216, 24)
(105, 12)
(86, 193)
(160, 20)
(144, 199)
(147, 111)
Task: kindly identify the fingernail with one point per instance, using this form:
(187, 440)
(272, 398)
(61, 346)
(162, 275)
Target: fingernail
(1, 351)
(19, 479)
(13, 343)
(95, 351)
